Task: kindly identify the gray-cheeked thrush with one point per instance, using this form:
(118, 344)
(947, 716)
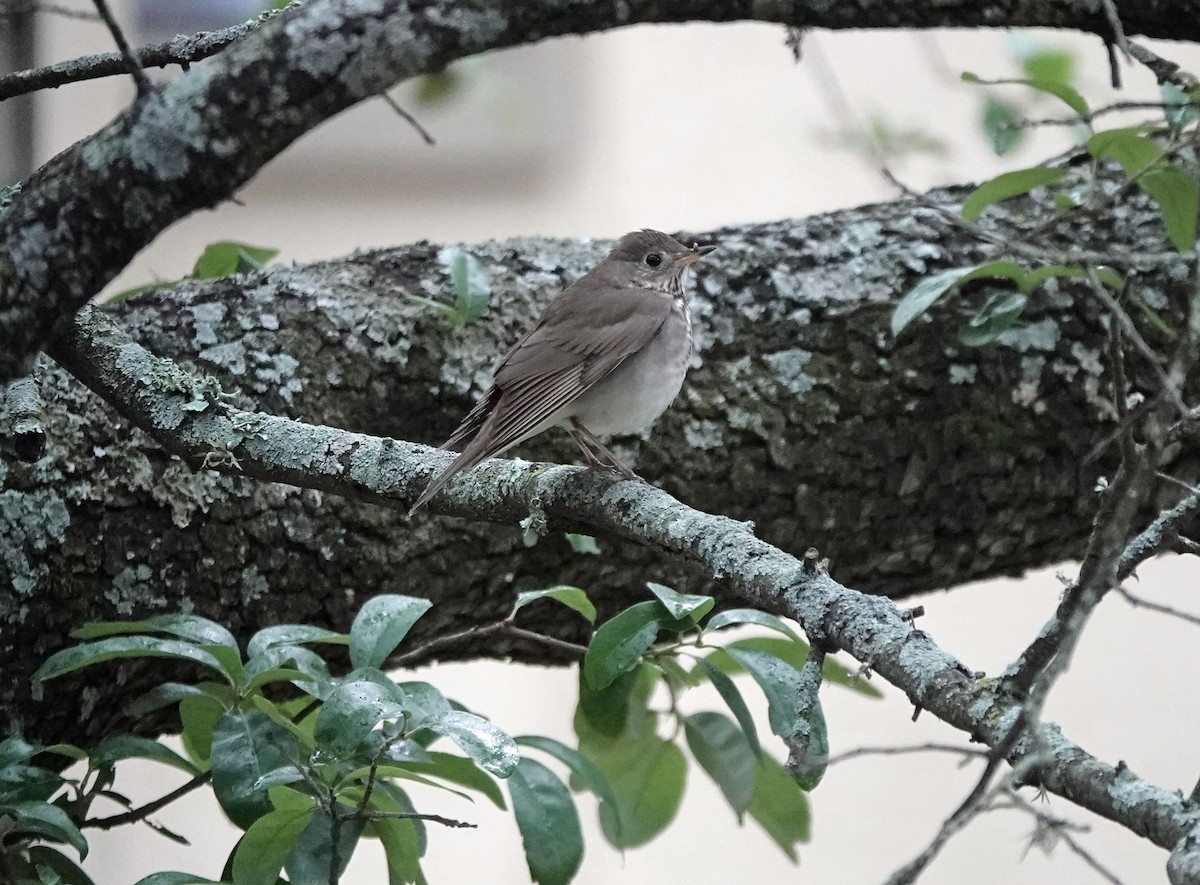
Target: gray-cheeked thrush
(607, 356)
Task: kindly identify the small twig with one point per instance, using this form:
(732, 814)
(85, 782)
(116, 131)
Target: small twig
(177, 51)
(1059, 829)
(116, 820)
(15, 8)
(413, 815)
(968, 752)
(1139, 602)
(1164, 71)
(1117, 39)
(1159, 535)
(1101, 294)
(484, 630)
(131, 63)
(409, 118)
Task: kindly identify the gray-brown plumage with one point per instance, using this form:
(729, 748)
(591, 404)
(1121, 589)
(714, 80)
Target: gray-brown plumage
(607, 356)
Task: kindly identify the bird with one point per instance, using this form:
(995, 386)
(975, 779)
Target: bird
(607, 356)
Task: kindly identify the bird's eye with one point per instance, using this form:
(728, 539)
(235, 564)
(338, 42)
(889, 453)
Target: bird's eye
(654, 259)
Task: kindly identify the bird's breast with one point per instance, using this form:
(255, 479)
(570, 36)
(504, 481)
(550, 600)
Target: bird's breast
(637, 391)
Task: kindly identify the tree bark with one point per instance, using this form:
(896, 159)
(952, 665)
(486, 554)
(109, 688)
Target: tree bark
(80, 218)
(914, 463)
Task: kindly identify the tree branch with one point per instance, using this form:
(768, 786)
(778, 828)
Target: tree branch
(166, 403)
(84, 215)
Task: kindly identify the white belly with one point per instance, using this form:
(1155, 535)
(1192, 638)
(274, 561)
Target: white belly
(635, 393)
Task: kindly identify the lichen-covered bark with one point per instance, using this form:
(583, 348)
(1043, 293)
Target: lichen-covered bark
(80, 218)
(912, 464)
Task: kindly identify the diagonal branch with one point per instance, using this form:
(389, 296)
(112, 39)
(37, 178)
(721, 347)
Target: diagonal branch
(191, 418)
(127, 57)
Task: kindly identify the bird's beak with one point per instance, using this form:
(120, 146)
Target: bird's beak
(695, 255)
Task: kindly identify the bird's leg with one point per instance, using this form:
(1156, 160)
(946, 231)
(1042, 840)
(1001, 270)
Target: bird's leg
(588, 441)
(593, 463)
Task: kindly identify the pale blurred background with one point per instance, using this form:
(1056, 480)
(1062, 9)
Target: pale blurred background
(689, 127)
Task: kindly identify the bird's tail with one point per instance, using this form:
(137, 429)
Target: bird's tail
(478, 449)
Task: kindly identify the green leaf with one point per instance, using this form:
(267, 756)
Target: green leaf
(312, 854)
(492, 749)
(731, 617)
(583, 543)
(733, 699)
(796, 652)
(1152, 315)
(1008, 185)
(778, 680)
(199, 715)
(682, 605)
(548, 822)
(780, 807)
(246, 746)
(1001, 126)
(470, 282)
(435, 89)
(16, 749)
(193, 628)
(28, 783)
(292, 634)
(1067, 94)
(308, 670)
(997, 316)
(647, 776)
(260, 854)
(171, 878)
(228, 257)
(582, 767)
(1175, 191)
(1129, 147)
(54, 861)
(619, 643)
(115, 747)
(923, 295)
(572, 597)
(350, 713)
(380, 625)
(165, 695)
(79, 656)
(607, 710)
(403, 839)
(1180, 108)
(1051, 65)
(463, 772)
(723, 752)
(1177, 194)
(45, 820)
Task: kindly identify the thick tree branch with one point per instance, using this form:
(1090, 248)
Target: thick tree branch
(167, 404)
(84, 215)
(181, 50)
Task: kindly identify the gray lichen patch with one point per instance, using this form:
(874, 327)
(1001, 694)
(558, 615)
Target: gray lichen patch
(788, 367)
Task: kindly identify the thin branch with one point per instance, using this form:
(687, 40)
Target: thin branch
(177, 51)
(408, 118)
(131, 63)
(412, 815)
(968, 753)
(25, 7)
(1164, 71)
(136, 814)
(1059, 830)
(1139, 602)
(24, 430)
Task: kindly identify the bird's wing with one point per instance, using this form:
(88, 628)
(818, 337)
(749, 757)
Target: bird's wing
(557, 362)
(551, 366)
